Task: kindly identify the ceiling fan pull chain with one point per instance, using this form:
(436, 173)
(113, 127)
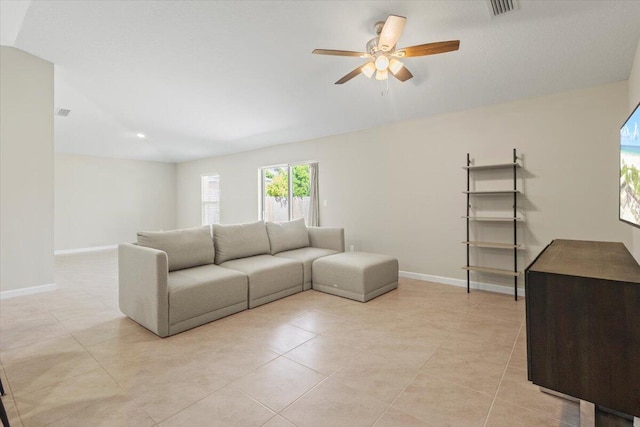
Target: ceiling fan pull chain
(384, 87)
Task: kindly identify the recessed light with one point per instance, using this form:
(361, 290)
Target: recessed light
(140, 135)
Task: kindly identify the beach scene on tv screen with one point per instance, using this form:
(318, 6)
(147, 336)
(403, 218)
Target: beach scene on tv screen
(630, 169)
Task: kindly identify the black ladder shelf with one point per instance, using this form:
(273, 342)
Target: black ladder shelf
(515, 246)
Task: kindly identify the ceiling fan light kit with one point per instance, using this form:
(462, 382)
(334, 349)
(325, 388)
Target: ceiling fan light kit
(382, 62)
(395, 65)
(368, 69)
(382, 54)
(382, 75)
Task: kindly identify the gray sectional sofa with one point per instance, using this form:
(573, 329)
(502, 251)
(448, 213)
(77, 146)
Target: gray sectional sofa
(172, 281)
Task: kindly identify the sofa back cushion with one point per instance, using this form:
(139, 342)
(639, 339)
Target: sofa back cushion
(240, 241)
(285, 236)
(185, 248)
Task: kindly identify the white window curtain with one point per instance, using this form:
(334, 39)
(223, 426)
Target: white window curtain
(313, 219)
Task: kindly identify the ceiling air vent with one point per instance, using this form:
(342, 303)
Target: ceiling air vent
(62, 112)
(500, 7)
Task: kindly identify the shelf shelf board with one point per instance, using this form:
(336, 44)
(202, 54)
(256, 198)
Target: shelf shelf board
(497, 271)
(493, 218)
(496, 166)
(491, 193)
(492, 245)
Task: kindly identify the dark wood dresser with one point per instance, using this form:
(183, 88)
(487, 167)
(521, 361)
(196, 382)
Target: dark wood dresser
(583, 323)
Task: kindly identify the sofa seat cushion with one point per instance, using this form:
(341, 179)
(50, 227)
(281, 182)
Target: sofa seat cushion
(288, 235)
(190, 247)
(268, 275)
(199, 290)
(306, 256)
(240, 241)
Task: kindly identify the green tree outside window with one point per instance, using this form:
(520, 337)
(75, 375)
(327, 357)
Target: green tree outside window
(278, 187)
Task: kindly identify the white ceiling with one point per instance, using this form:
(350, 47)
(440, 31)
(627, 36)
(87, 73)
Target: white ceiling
(205, 78)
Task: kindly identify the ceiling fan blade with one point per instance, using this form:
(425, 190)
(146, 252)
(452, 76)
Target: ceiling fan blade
(428, 49)
(391, 32)
(351, 75)
(340, 53)
(403, 74)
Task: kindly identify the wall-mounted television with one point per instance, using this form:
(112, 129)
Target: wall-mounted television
(630, 169)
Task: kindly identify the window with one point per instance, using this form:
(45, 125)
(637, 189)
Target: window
(286, 192)
(210, 199)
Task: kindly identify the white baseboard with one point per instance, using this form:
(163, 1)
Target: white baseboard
(81, 250)
(461, 283)
(12, 293)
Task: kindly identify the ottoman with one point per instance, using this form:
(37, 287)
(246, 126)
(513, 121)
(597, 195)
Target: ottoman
(356, 275)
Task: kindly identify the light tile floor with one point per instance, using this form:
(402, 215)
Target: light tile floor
(423, 355)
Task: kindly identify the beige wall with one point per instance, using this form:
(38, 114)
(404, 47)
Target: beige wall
(397, 189)
(634, 99)
(101, 201)
(26, 170)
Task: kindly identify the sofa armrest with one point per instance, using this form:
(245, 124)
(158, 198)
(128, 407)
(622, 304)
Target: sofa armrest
(142, 284)
(327, 238)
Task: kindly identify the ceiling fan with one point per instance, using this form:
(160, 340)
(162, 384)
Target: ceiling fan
(382, 55)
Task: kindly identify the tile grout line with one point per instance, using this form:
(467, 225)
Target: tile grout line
(8, 383)
(315, 386)
(58, 382)
(109, 373)
(467, 314)
(536, 411)
(98, 363)
(93, 357)
(10, 393)
(504, 372)
(101, 367)
(324, 380)
(523, 407)
(230, 383)
(422, 367)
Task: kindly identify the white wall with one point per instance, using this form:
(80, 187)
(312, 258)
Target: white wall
(26, 170)
(397, 189)
(102, 201)
(634, 99)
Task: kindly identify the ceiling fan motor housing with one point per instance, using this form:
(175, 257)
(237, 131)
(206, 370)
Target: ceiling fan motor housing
(372, 45)
(378, 26)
